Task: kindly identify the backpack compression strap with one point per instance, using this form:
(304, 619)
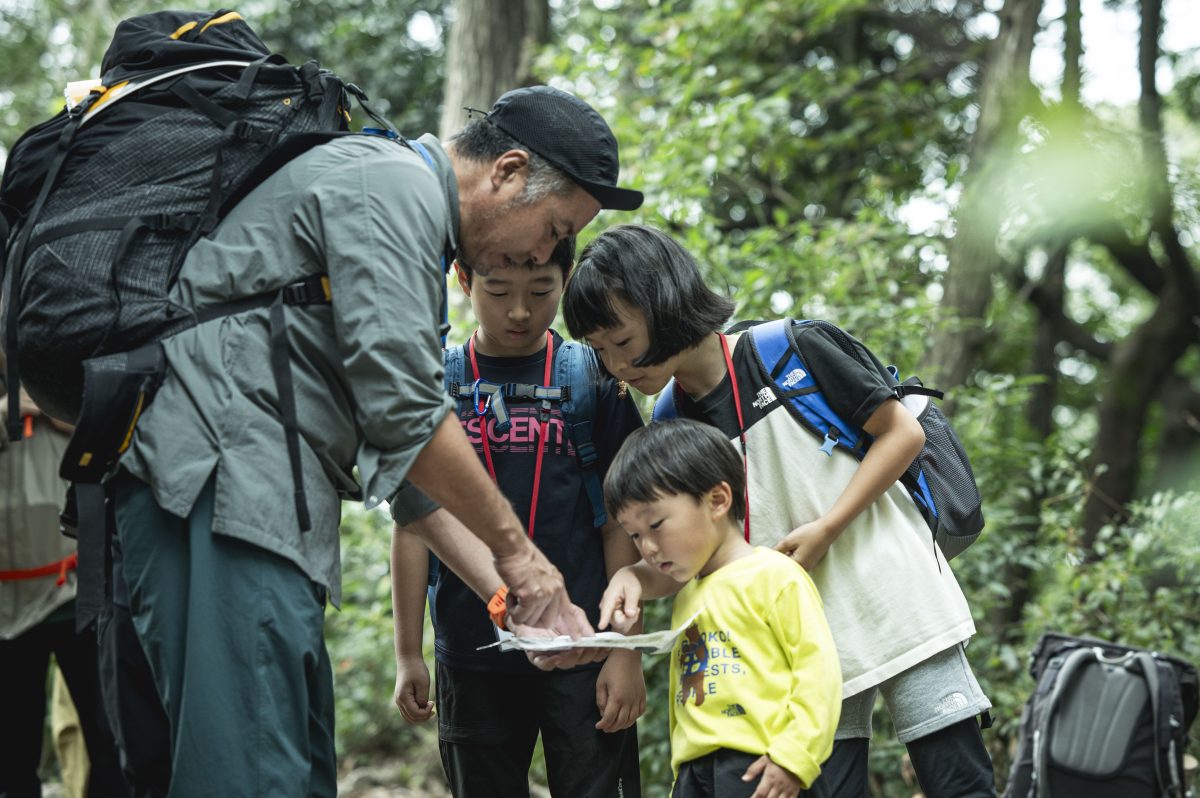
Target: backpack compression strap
(575, 367)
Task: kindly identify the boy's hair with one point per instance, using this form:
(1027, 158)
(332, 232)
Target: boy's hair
(650, 272)
(563, 256)
(671, 458)
(482, 141)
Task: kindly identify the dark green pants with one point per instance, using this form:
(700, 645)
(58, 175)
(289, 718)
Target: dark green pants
(233, 635)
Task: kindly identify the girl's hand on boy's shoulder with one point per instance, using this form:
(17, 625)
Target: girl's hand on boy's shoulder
(775, 782)
(620, 691)
(807, 544)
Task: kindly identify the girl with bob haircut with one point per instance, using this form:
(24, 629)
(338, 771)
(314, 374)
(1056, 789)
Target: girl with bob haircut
(898, 617)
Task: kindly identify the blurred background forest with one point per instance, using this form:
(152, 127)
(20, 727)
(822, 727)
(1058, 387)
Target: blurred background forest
(1001, 195)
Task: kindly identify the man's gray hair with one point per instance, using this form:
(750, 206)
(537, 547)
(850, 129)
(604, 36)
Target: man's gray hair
(480, 140)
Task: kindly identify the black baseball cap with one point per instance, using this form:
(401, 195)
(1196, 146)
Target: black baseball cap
(568, 133)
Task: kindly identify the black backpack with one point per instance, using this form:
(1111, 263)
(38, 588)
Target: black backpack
(105, 199)
(100, 206)
(940, 480)
(1104, 721)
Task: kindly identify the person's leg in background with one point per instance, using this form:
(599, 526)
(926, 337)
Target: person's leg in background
(844, 774)
(935, 707)
(23, 664)
(487, 730)
(78, 659)
(70, 749)
(581, 760)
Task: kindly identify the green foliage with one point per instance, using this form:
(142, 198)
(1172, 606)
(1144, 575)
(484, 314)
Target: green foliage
(368, 43)
(786, 144)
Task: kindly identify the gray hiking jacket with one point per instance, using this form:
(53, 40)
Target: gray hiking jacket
(367, 369)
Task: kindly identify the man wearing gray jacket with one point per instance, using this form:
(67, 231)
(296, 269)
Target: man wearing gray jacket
(226, 588)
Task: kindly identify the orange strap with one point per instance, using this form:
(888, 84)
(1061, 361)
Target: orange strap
(498, 607)
(68, 563)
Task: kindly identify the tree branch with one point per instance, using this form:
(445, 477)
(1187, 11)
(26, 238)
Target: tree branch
(1065, 328)
(1136, 259)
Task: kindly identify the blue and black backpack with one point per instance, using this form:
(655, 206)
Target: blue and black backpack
(940, 480)
(575, 376)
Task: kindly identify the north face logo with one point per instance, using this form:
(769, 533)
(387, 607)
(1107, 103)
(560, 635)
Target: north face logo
(764, 398)
(793, 377)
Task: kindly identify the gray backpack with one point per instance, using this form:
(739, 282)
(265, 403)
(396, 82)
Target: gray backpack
(1104, 721)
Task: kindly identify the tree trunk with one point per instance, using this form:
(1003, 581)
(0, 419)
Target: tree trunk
(1179, 444)
(491, 50)
(1039, 410)
(973, 256)
(1146, 358)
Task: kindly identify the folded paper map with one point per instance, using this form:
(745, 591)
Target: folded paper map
(647, 643)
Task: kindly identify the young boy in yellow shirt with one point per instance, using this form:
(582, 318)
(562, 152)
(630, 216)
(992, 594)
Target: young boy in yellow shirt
(756, 684)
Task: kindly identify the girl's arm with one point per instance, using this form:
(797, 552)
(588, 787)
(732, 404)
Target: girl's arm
(898, 440)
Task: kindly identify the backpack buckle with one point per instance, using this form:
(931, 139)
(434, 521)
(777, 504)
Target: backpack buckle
(313, 291)
(831, 439)
(492, 401)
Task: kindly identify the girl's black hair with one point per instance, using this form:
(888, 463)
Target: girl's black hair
(650, 272)
(672, 458)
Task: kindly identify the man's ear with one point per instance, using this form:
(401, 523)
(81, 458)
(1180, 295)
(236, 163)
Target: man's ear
(464, 279)
(508, 166)
(720, 499)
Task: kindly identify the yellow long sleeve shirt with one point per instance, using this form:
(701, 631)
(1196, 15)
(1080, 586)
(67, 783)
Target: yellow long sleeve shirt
(757, 671)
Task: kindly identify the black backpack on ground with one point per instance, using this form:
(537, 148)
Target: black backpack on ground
(1104, 721)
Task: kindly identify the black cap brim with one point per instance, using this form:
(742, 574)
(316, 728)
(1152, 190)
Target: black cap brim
(612, 197)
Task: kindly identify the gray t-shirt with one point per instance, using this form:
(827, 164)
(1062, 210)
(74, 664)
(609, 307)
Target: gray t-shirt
(376, 219)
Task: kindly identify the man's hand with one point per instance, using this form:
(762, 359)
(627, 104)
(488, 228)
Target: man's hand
(620, 691)
(537, 596)
(775, 782)
(412, 689)
(807, 544)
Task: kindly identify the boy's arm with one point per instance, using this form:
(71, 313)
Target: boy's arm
(815, 704)
(621, 687)
(898, 440)
(410, 578)
(462, 552)
(628, 586)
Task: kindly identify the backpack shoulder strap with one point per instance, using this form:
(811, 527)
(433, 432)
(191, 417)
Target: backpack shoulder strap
(454, 361)
(779, 357)
(575, 368)
(664, 407)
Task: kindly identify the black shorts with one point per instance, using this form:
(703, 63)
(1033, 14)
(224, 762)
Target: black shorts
(489, 724)
(716, 775)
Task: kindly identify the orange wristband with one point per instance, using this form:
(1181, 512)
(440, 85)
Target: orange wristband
(497, 606)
